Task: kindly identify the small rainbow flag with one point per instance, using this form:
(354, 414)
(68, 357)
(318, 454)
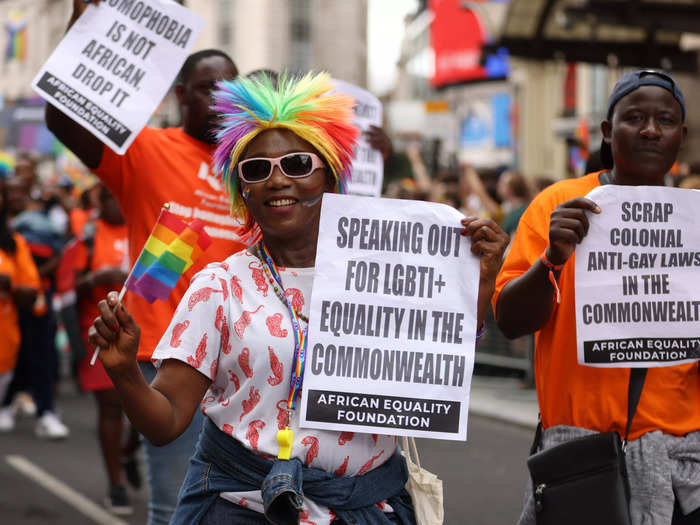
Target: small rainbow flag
(7, 164)
(16, 40)
(171, 249)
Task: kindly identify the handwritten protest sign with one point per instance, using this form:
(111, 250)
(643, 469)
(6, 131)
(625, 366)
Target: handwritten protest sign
(368, 164)
(637, 285)
(392, 320)
(115, 64)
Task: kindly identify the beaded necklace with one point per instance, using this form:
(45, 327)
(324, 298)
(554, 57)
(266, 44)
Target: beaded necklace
(278, 289)
(285, 436)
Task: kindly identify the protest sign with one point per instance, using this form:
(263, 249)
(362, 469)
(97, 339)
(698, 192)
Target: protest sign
(392, 320)
(368, 164)
(115, 64)
(637, 286)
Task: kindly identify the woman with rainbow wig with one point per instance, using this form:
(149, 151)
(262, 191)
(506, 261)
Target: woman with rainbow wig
(237, 341)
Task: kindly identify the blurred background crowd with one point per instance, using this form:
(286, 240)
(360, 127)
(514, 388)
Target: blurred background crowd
(485, 103)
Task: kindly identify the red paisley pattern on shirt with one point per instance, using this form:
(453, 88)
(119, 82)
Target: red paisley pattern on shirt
(178, 330)
(221, 324)
(273, 325)
(200, 353)
(312, 453)
(259, 276)
(244, 362)
(296, 298)
(341, 470)
(200, 296)
(231, 328)
(236, 289)
(224, 288)
(276, 367)
(234, 379)
(244, 320)
(252, 434)
(250, 403)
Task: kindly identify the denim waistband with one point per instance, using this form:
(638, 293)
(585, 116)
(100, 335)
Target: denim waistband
(223, 464)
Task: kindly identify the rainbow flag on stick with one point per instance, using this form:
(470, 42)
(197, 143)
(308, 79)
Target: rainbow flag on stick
(171, 249)
(168, 253)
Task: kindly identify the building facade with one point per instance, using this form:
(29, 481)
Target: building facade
(35, 27)
(293, 35)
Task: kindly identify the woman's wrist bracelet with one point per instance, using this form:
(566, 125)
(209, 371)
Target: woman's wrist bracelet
(552, 268)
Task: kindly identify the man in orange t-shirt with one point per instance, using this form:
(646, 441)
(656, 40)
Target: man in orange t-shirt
(164, 165)
(642, 134)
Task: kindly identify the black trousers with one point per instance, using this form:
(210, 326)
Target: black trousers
(37, 363)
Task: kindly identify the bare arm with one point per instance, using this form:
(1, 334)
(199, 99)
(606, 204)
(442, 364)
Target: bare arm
(80, 141)
(489, 242)
(380, 141)
(478, 188)
(86, 280)
(526, 302)
(420, 172)
(22, 295)
(49, 266)
(161, 411)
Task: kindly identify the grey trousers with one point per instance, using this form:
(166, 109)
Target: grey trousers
(662, 469)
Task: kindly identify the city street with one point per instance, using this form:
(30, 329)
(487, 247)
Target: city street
(63, 482)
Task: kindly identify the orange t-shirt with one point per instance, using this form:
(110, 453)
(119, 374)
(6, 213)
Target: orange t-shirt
(109, 250)
(77, 219)
(22, 271)
(167, 165)
(583, 396)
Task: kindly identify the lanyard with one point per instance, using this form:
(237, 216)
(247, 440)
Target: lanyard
(284, 437)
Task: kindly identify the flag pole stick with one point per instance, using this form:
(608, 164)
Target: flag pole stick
(122, 292)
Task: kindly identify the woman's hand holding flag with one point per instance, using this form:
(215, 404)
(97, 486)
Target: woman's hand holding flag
(170, 250)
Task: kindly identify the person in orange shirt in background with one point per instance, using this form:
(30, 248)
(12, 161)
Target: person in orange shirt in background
(643, 133)
(19, 282)
(86, 210)
(37, 365)
(170, 165)
(102, 265)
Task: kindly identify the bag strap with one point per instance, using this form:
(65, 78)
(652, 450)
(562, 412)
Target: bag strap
(408, 445)
(634, 393)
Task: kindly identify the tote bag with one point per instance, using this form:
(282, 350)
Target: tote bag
(424, 487)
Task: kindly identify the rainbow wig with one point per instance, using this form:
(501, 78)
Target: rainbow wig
(303, 105)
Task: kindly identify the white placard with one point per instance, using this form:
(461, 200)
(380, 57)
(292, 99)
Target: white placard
(637, 279)
(368, 164)
(393, 320)
(115, 64)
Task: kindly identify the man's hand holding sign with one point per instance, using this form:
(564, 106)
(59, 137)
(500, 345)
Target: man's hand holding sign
(116, 63)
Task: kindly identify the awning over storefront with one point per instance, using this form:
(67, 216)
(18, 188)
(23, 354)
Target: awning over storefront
(648, 33)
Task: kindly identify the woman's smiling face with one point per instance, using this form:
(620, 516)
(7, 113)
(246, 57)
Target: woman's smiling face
(284, 207)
